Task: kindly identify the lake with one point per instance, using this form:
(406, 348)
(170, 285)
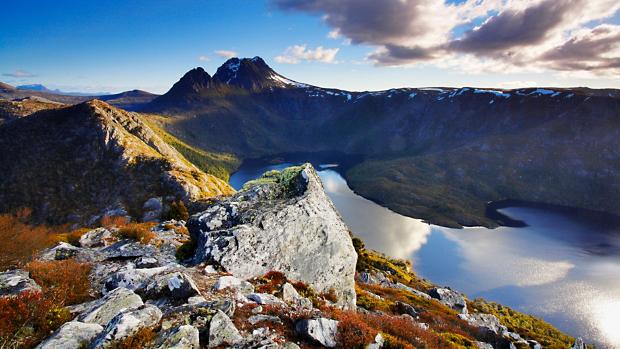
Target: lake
(562, 267)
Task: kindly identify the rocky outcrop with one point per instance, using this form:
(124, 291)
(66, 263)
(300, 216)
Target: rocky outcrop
(14, 282)
(126, 323)
(449, 298)
(72, 335)
(283, 222)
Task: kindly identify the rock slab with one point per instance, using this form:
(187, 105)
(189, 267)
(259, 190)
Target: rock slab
(324, 331)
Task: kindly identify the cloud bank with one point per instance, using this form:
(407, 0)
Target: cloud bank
(226, 54)
(478, 36)
(295, 54)
(20, 74)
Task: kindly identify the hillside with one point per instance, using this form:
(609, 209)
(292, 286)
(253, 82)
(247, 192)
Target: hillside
(434, 153)
(83, 161)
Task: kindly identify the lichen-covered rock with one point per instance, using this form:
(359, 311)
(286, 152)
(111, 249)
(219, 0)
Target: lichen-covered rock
(290, 295)
(179, 337)
(127, 249)
(72, 335)
(449, 298)
(127, 323)
(265, 299)
(488, 322)
(146, 262)
(102, 310)
(234, 283)
(282, 222)
(222, 329)
(176, 285)
(254, 319)
(324, 331)
(95, 238)
(62, 251)
(14, 282)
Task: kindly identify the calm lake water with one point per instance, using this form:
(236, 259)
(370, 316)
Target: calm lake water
(563, 268)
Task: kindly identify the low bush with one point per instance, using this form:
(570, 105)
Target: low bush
(20, 239)
(110, 222)
(141, 339)
(28, 318)
(177, 211)
(73, 237)
(138, 231)
(353, 331)
(63, 282)
(187, 250)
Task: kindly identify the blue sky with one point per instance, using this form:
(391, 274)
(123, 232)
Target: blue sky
(357, 45)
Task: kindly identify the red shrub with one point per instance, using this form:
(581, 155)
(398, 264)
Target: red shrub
(354, 332)
(110, 222)
(64, 282)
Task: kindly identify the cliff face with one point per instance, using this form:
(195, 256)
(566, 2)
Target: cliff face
(68, 164)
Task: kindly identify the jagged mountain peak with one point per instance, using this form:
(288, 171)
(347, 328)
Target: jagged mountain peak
(251, 74)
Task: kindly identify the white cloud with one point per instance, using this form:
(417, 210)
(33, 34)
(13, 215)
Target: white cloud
(20, 74)
(294, 54)
(203, 58)
(226, 54)
(514, 35)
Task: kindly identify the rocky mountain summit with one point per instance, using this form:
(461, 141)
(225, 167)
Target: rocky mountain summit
(79, 162)
(439, 154)
(162, 294)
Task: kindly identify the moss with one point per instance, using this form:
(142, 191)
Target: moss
(186, 250)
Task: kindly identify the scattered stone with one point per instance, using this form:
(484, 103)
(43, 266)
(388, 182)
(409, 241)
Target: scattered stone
(102, 310)
(257, 309)
(324, 331)
(72, 335)
(254, 319)
(449, 298)
(146, 262)
(485, 321)
(222, 329)
(413, 311)
(153, 209)
(239, 285)
(196, 300)
(265, 299)
(178, 337)
(127, 249)
(129, 279)
(14, 282)
(209, 269)
(290, 295)
(579, 344)
(378, 343)
(420, 294)
(127, 323)
(62, 251)
(176, 285)
(95, 238)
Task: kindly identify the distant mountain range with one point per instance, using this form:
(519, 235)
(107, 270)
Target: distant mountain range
(434, 153)
(437, 153)
(39, 87)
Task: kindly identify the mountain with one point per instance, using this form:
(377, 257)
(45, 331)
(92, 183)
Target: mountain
(41, 88)
(470, 145)
(130, 100)
(78, 162)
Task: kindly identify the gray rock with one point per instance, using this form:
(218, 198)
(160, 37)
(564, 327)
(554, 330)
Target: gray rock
(579, 344)
(71, 335)
(196, 300)
(102, 310)
(176, 285)
(130, 279)
(127, 249)
(14, 282)
(420, 294)
(153, 209)
(378, 343)
(222, 329)
(324, 331)
(209, 269)
(410, 310)
(146, 262)
(265, 299)
(254, 319)
(127, 323)
(485, 321)
(449, 298)
(95, 238)
(234, 283)
(483, 345)
(179, 337)
(534, 344)
(290, 295)
(289, 226)
(63, 251)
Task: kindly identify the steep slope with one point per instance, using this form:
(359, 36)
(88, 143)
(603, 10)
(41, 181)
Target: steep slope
(71, 164)
(249, 110)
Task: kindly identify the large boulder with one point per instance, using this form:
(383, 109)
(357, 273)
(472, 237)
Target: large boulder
(488, 322)
(72, 335)
(222, 330)
(285, 222)
(127, 323)
(324, 331)
(102, 310)
(449, 298)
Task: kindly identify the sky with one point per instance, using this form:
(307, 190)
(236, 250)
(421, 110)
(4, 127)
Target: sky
(354, 45)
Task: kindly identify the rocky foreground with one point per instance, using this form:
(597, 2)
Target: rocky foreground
(274, 266)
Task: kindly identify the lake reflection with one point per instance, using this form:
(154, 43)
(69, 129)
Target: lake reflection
(559, 267)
